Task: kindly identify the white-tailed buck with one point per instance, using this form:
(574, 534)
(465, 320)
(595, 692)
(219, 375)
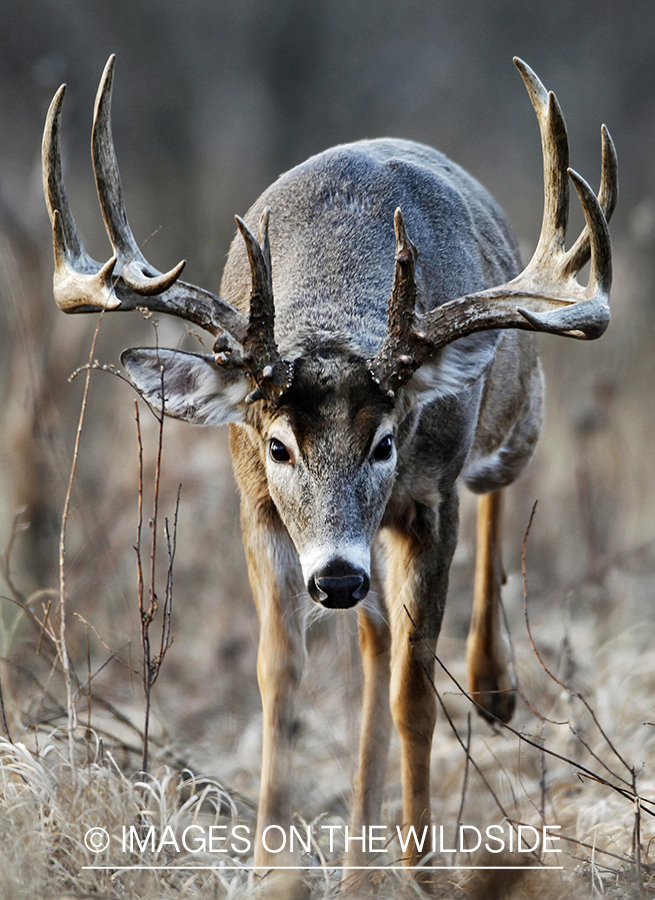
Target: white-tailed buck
(362, 374)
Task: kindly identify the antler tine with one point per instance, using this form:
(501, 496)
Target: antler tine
(608, 194)
(403, 349)
(403, 294)
(265, 245)
(53, 182)
(261, 357)
(79, 281)
(600, 276)
(262, 309)
(135, 271)
(83, 285)
(590, 317)
(555, 150)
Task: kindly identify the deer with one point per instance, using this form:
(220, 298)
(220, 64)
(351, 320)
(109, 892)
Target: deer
(364, 374)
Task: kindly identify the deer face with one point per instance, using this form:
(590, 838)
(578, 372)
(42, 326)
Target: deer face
(330, 456)
(328, 451)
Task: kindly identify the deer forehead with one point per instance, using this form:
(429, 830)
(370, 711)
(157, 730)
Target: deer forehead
(333, 406)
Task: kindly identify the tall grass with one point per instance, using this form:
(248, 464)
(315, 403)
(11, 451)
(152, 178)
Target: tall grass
(578, 756)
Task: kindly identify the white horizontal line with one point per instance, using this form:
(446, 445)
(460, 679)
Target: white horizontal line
(322, 868)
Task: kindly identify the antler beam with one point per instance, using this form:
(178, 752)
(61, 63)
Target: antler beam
(127, 281)
(546, 296)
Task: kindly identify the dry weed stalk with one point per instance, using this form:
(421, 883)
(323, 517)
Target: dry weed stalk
(3, 711)
(62, 648)
(151, 664)
(632, 783)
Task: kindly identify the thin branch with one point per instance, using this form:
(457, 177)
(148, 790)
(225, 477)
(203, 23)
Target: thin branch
(557, 681)
(113, 654)
(466, 774)
(152, 665)
(61, 646)
(628, 794)
(5, 723)
(5, 562)
(145, 640)
(155, 510)
(88, 693)
(458, 736)
(636, 837)
(171, 543)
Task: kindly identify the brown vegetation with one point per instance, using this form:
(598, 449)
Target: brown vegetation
(590, 556)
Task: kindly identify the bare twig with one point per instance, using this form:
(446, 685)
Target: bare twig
(61, 644)
(582, 770)
(143, 616)
(152, 664)
(636, 837)
(5, 562)
(88, 693)
(5, 723)
(544, 769)
(557, 681)
(171, 544)
(454, 730)
(113, 654)
(46, 628)
(466, 774)
(155, 508)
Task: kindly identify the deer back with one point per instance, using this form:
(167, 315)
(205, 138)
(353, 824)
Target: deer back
(332, 239)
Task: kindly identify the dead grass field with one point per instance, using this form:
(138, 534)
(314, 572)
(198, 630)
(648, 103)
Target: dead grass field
(212, 101)
(580, 752)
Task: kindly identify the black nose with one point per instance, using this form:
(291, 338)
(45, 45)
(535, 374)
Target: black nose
(339, 585)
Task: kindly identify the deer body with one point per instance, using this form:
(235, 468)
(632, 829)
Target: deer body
(332, 265)
(352, 415)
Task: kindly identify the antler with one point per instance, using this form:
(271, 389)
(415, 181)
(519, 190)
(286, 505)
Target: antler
(545, 296)
(128, 281)
(261, 357)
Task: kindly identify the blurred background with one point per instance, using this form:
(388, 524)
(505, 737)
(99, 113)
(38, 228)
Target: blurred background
(212, 100)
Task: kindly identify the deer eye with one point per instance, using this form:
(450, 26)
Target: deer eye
(383, 450)
(278, 451)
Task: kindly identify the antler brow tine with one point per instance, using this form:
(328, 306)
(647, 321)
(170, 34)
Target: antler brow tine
(79, 282)
(262, 358)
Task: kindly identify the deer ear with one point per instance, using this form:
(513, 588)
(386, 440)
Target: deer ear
(455, 368)
(187, 386)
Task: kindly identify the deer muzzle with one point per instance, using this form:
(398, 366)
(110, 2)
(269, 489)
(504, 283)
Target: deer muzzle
(338, 585)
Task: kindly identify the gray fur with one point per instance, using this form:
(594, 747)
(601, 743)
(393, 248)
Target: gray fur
(332, 259)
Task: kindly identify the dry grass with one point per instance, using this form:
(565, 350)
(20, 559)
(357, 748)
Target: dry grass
(48, 804)
(590, 577)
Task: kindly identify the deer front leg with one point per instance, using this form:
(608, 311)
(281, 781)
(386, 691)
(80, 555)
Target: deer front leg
(491, 679)
(276, 584)
(419, 553)
(375, 644)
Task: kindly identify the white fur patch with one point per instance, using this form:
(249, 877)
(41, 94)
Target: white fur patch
(194, 387)
(314, 559)
(455, 369)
